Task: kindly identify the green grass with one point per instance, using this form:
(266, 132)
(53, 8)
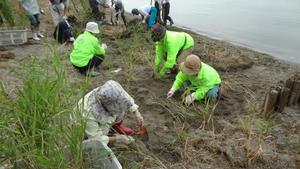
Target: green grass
(35, 123)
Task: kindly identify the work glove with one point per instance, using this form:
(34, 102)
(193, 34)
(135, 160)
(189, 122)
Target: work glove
(190, 99)
(139, 118)
(170, 93)
(104, 46)
(124, 139)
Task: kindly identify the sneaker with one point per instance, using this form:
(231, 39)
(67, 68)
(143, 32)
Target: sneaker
(35, 37)
(40, 35)
(92, 73)
(121, 129)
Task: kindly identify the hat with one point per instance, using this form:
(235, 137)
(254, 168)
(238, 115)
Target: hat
(191, 65)
(135, 11)
(92, 27)
(158, 32)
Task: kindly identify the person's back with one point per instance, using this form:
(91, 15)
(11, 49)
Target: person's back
(84, 49)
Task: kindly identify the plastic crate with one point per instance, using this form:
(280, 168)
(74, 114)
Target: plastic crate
(13, 36)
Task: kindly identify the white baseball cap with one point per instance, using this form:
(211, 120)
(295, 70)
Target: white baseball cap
(92, 27)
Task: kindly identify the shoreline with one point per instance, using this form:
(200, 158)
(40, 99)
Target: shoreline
(238, 44)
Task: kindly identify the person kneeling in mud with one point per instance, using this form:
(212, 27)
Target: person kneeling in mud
(88, 53)
(175, 45)
(105, 108)
(201, 78)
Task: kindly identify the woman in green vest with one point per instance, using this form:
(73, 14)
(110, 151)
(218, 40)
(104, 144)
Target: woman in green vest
(88, 53)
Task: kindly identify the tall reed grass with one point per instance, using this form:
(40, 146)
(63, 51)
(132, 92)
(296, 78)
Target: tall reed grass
(34, 123)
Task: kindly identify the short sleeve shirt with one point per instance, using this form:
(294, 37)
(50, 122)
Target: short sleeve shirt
(30, 6)
(145, 10)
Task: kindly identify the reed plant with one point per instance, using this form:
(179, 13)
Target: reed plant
(35, 121)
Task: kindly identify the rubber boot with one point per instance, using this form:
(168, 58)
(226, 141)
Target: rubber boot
(121, 129)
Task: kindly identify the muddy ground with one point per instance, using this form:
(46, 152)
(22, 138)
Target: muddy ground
(234, 135)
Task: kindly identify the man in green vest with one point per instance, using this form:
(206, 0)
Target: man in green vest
(204, 80)
(175, 45)
(88, 53)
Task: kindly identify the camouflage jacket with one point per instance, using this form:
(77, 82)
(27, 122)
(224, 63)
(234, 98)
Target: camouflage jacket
(104, 106)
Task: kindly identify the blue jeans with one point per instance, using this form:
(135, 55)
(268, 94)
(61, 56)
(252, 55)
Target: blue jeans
(213, 94)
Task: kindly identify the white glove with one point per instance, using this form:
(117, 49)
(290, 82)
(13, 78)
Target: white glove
(139, 118)
(104, 45)
(190, 99)
(72, 39)
(124, 139)
(64, 17)
(170, 93)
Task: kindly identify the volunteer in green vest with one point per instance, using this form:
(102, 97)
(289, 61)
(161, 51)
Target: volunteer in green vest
(88, 53)
(204, 80)
(175, 45)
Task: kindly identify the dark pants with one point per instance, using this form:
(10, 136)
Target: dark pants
(34, 20)
(93, 63)
(158, 12)
(95, 10)
(63, 32)
(165, 12)
(118, 7)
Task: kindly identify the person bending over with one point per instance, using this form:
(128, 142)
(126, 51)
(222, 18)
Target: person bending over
(148, 14)
(104, 109)
(175, 45)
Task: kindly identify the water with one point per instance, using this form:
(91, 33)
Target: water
(270, 26)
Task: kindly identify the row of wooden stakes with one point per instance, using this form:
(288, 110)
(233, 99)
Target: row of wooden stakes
(284, 94)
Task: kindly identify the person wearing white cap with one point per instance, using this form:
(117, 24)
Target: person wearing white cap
(204, 80)
(88, 52)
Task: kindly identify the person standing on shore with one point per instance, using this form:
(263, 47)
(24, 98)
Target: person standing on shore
(158, 6)
(202, 79)
(165, 12)
(148, 14)
(99, 15)
(32, 10)
(87, 52)
(176, 45)
(59, 9)
(105, 108)
(120, 10)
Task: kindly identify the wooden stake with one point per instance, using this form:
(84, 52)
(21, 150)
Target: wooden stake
(294, 94)
(283, 99)
(270, 102)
